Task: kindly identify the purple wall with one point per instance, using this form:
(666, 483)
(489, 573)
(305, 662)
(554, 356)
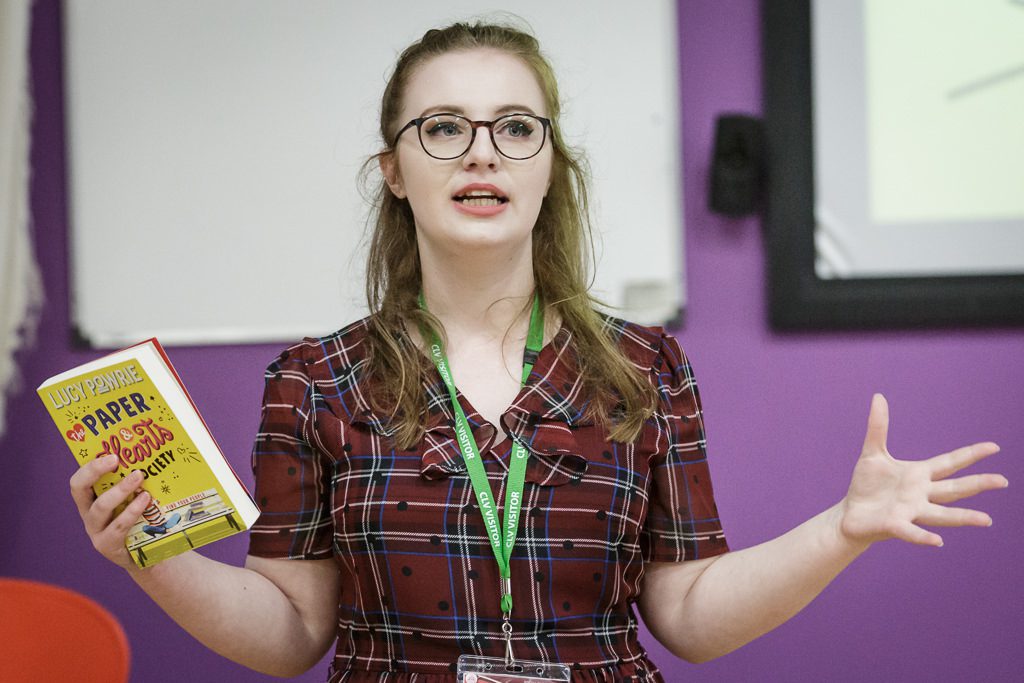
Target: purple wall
(785, 415)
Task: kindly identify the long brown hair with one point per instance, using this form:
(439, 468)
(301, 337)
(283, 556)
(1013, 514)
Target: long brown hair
(562, 257)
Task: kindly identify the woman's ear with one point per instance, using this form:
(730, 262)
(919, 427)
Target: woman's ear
(389, 167)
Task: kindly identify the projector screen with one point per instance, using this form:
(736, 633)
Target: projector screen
(918, 137)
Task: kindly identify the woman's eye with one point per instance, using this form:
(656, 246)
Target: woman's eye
(516, 129)
(444, 129)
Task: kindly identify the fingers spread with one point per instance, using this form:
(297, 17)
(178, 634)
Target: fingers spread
(878, 425)
(950, 463)
(912, 533)
(952, 490)
(938, 515)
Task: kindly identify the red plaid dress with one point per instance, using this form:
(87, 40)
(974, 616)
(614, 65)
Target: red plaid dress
(419, 581)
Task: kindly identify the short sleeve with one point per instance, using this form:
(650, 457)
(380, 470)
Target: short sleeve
(291, 476)
(682, 519)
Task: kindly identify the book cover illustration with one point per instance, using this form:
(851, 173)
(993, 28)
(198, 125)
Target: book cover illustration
(132, 404)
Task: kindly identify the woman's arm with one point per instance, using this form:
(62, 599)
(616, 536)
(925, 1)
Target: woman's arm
(706, 608)
(274, 616)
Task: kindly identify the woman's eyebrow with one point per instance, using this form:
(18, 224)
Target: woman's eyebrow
(455, 109)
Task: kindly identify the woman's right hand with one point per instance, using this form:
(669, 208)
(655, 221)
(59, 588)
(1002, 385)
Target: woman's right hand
(106, 531)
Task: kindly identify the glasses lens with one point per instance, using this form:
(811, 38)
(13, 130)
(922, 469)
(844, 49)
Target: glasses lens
(446, 136)
(518, 136)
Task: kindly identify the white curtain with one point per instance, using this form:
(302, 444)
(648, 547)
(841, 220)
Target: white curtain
(20, 284)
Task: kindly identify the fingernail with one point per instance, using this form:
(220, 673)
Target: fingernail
(109, 458)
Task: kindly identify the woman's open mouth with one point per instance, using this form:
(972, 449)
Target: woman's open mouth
(480, 200)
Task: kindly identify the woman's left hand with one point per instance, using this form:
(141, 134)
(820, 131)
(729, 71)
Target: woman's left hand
(891, 498)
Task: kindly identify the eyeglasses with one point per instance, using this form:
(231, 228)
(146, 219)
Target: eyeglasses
(449, 136)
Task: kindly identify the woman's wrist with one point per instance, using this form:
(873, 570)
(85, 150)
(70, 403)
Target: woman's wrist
(844, 530)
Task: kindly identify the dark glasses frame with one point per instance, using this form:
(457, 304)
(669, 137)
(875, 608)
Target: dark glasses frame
(474, 125)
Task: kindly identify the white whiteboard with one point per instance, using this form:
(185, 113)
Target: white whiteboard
(214, 148)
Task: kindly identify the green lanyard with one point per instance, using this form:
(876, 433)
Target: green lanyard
(501, 541)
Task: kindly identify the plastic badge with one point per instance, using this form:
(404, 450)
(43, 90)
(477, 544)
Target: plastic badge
(472, 669)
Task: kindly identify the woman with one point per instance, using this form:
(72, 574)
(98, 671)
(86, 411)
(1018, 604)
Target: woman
(380, 482)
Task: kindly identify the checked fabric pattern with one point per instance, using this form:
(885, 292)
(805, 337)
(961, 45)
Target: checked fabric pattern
(419, 581)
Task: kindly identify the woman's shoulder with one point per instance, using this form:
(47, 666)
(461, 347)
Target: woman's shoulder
(647, 346)
(346, 345)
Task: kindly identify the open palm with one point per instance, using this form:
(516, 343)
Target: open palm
(890, 498)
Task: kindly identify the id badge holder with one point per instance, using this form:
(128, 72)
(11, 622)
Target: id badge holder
(473, 669)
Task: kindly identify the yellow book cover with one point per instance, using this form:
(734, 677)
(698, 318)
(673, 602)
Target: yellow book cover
(132, 403)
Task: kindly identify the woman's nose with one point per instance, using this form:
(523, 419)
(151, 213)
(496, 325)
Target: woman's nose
(482, 151)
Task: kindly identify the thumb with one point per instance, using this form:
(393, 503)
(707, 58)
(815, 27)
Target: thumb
(878, 425)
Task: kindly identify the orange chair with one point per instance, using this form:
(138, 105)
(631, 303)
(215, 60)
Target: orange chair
(49, 633)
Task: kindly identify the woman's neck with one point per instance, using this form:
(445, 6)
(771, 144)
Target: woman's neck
(479, 294)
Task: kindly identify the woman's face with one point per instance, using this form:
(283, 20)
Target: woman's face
(481, 85)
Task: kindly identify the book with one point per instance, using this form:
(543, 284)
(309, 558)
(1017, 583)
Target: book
(132, 403)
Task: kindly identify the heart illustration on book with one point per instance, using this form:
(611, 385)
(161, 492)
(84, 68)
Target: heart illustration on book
(77, 433)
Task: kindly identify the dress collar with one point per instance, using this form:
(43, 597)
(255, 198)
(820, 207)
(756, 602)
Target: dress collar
(542, 417)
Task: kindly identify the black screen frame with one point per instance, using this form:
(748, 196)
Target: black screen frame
(798, 298)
